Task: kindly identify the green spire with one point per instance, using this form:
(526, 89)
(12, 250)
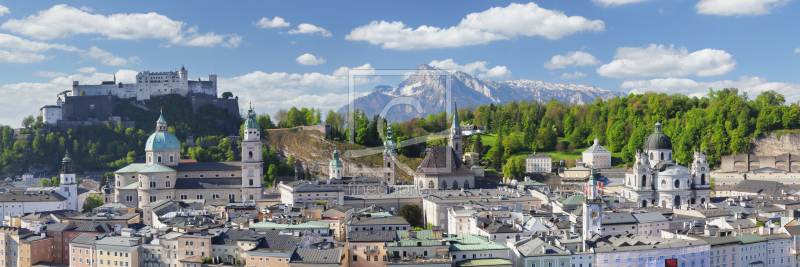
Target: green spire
(390, 145)
(250, 122)
(335, 162)
(456, 122)
(67, 158)
(161, 116)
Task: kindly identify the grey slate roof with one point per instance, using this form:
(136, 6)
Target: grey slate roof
(618, 218)
(317, 256)
(84, 239)
(633, 242)
(229, 238)
(533, 247)
(649, 217)
(208, 183)
(58, 227)
(762, 187)
(436, 162)
(388, 220)
(118, 241)
(372, 236)
(538, 155)
(500, 228)
(45, 196)
(275, 242)
(209, 166)
(721, 241)
(99, 227)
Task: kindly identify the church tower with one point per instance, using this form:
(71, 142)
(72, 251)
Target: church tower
(700, 170)
(68, 188)
(390, 158)
(336, 167)
(455, 134)
(252, 164)
(592, 211)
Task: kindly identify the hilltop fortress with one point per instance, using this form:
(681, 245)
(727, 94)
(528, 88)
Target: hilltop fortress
(96, 104)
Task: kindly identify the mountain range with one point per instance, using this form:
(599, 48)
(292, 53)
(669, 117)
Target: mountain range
(430, 92)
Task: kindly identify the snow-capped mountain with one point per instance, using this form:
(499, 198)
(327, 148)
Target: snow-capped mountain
(430, 91)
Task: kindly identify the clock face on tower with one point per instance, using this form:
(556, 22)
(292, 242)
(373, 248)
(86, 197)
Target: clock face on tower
(594, 214)
(644, 169)
(703, 168)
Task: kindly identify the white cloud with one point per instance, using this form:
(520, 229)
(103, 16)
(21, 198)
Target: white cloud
(497, 23)
(310, 29)
(569, 76)
(87, 70)
(738, 7)
(3, 10)
(752, 85)
(87, 9)
(14, 49)
(662, 61)
(608, 3)
(573, 58)
(49, 73)
(309, 59)
(23, 99)
(62, 21)
(343, 71)
(272, 91)
(797, 50)
(276, 22)
(107, 58)
(477, 68)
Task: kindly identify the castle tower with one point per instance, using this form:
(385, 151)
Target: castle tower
(162, 147)
(68, 187)
(336, 167)
(592, 211)
(390, 158)
(455, 134)
(183, 74)
(252, 163)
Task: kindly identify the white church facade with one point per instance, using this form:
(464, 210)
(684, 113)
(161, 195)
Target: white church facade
(656, 180)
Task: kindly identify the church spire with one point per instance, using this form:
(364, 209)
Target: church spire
(456, 122)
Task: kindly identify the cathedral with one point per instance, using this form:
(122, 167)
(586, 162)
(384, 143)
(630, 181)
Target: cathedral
(656, 180)
(164, 176)
(442, 167)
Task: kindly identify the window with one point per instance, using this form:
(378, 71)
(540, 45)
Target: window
(355, 257)
(168, 184)
(199, 196)
(159, 161)
(170, 159)
(152, 198)
(184, 197)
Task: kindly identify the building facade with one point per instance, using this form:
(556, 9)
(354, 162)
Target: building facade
(597, 156)
(538, 163)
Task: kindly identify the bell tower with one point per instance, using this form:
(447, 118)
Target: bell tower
(455, 134)
(700, 170)
(252, 164)
(390, 158)
(592, 211)
(68, 188)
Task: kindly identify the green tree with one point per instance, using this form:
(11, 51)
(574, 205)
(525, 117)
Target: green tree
(55, 181)
(412, 213)
(477, 146)
(227, 95)
(92, 202)
(45, 182)
(272, 173)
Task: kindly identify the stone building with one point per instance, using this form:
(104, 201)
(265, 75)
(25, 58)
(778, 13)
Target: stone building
(665, 183)
(149, 84)
(162, 176)
(442, 167)
(597, 156)
(538, 163)
(749, 162)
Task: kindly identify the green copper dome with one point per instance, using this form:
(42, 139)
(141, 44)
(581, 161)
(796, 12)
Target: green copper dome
(335, 162)
(67, 158)
(250, 122)
(161, 139)
(390, 146)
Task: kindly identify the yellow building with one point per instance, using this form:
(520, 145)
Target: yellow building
(117, 252)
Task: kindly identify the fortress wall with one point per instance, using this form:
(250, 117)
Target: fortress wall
(230, 105)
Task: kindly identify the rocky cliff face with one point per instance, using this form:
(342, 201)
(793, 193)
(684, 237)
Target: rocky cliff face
(771, 145)
(430, 91)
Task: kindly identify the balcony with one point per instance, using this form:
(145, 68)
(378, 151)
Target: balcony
(372, 251)
(420, 260)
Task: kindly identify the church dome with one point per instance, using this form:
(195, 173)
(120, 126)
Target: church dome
(162, 141)
(335, 162)
(657, 140)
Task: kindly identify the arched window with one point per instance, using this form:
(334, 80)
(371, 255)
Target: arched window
(250, 153)
(644, 180)
(466, 184)
(662, 155)
(677, 183)
(677, 201)
(388, 164)
(444, 185)
(159, 159)
(663, 183)
(167, 183)
(702, 201)
(430, 185)
(455, 185)
(703, 179)
(118, 184)
(644, 203)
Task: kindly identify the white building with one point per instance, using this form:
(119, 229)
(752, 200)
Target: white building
(18, 202)
(538, 163)
(665, 183)
(151, 84)
(51, 114)
(597, 156)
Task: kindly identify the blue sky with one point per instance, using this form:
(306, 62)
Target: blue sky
(667, 46)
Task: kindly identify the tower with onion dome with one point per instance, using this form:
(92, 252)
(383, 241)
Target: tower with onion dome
(252, 164)
(389, 158)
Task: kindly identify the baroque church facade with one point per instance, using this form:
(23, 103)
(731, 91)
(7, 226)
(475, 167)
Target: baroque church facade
(163, 176)
(656, 180)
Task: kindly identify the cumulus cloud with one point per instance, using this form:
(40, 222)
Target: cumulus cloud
(309, 59)
(87, 70)
(738, 7)
(62, 21)
(797, 50)
(49, 73)
(23, 99)
(574, 58)
(107, 58)
(276, 22)
(662, 61)
(293, 89)
(497, 23)
(752, 85)
(608, 3)
(87, 9)
(310, 29)
(569, 76)
(477, 68)
(344, 71)
(3, 10)
(14, 49)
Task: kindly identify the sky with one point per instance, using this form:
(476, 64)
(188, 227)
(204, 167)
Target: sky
(296, 53)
